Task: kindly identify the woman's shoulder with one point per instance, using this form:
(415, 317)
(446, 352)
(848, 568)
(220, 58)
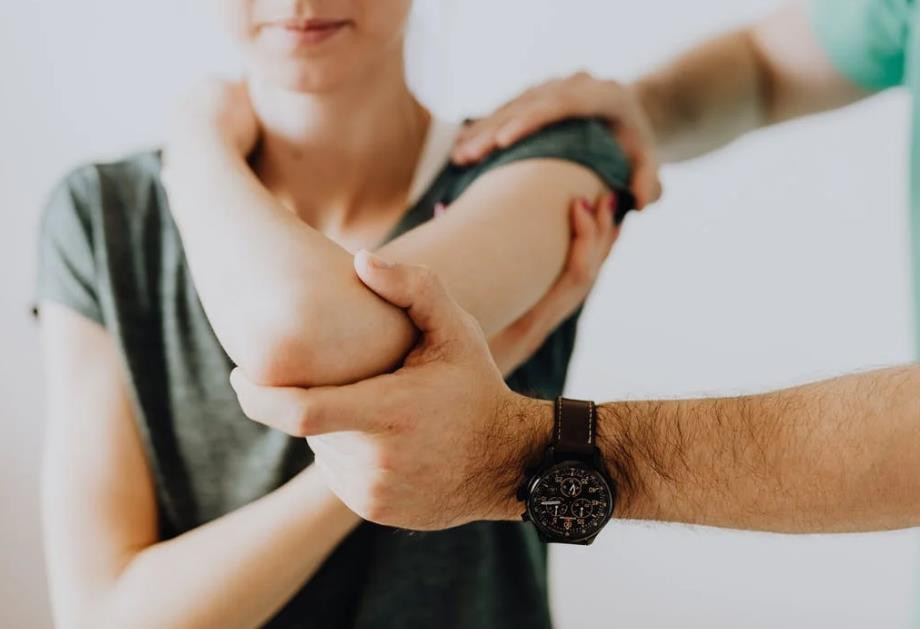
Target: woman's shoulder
(121, 191)
(102, 185)
(584, 141)
(95, 219)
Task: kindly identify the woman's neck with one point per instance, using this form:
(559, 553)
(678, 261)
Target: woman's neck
(335, 156)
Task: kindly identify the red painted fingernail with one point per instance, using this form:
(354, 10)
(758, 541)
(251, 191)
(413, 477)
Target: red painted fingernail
(585, 204)
(612, 202)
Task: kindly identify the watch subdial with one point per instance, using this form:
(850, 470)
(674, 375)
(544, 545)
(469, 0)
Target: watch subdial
(570, 487)
(554, 508)
(582, 508)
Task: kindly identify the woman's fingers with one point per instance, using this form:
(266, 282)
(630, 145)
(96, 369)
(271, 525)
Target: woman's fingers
(604, 214)
(584, 225)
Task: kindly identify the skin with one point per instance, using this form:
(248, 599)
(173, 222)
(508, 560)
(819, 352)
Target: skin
(831, 456)
(442, 441)
(251, 220)
(769, 72)
(100, 517)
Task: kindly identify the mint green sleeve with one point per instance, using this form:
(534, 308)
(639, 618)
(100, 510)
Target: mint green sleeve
(866, 40)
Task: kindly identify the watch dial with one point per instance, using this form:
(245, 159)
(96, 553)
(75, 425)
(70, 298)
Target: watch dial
(570, 501)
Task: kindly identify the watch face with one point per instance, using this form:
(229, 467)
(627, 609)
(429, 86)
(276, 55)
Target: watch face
(570, 501)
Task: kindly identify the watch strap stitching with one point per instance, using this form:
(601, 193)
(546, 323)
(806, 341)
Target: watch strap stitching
(591, 421)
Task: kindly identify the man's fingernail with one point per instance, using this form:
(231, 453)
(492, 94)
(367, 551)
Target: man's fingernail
(377, 262)
(439, 209)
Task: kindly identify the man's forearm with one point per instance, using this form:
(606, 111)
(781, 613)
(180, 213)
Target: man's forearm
(772, 71)
(835, 456)
(705, 98)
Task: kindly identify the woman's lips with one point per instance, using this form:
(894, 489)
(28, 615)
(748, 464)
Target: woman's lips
(292, 34)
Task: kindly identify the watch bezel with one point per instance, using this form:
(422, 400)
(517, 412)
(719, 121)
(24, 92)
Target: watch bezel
(553, 536)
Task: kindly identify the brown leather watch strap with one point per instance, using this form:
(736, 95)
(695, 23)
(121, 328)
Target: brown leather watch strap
(573, 432)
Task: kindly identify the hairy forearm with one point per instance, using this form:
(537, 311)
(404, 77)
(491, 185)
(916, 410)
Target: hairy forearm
(236, 571)
(705, 98)
(834, 456)
(772, 71)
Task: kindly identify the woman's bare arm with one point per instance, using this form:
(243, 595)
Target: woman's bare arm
(100, 516)
(284, 300)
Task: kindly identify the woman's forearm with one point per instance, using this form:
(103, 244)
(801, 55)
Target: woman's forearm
(306, 319)
(236, 571)
(280, 295)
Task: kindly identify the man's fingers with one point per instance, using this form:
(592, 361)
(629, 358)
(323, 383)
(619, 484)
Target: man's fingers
(307, 412)
(646, 184)
(478, 141)
(483, 136)
(415, 289)
(525, 123)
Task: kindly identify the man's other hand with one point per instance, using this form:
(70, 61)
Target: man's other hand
(578, 96)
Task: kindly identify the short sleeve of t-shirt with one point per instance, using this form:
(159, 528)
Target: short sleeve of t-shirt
(866, 40)
(587, 142)
(66, 261)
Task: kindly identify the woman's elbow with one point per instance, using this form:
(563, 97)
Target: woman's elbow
(279, 355)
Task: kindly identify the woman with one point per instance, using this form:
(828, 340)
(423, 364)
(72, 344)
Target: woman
(163, 505)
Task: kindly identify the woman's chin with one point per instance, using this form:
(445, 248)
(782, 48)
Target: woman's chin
(296, 78)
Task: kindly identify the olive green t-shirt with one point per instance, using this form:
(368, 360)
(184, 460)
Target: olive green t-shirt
(109, 250)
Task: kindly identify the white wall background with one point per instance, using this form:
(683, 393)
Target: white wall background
(778, 260)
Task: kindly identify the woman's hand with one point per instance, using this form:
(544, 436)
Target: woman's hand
(593, 236)
(214, 123)
(579, 96)
(215, 109)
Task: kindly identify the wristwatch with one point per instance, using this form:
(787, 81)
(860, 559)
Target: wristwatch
(569, 495)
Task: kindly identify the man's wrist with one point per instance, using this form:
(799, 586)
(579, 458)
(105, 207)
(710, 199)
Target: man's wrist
(526, 423)
(647, 94)
(629, 450)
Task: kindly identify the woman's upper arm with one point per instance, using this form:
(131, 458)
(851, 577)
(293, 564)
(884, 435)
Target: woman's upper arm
(504, 240)
(98, 498)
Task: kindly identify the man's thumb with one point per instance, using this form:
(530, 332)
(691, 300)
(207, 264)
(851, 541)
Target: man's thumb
(416, 289)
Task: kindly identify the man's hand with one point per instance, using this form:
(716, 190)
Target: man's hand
(578, 96)
(438, 443)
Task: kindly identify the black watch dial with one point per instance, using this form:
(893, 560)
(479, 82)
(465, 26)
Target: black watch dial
(570, 501)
